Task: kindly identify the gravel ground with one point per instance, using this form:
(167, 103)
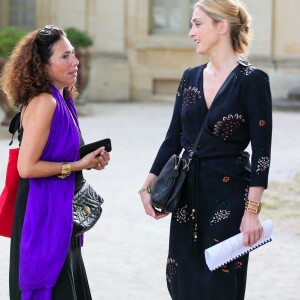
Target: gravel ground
(125, 254)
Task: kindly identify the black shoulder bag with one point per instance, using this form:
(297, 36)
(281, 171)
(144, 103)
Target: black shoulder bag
(168, 186)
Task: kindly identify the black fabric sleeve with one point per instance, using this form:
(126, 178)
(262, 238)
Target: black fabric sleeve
(171, 144)
(259, 109)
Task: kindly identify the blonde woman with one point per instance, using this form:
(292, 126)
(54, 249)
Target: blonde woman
(221, 178)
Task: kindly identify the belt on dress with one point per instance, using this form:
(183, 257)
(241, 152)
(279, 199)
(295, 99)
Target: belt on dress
(198, 158)
(198, 155)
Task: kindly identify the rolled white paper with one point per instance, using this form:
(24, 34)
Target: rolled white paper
(232, 248)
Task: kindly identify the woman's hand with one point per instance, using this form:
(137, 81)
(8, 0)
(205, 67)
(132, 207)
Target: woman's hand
(149, 209)
(97, 159)
(146, 199)
(251, 228)
(103, 160)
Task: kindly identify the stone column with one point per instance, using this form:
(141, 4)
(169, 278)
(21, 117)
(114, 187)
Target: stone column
(105, 23)
(109, 73)
(276, 45)
(286, 48)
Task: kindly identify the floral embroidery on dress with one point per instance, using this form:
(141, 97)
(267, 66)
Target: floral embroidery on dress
(171, 269)
(222, 212)
(263, 164)
(182, 215)
(261, 123)
(225, 269)
(238, 264)
(190, 96)
(220, 215)
(261, 160)
(228, 126)
(226, 179)
(248, 70)
(182, 82)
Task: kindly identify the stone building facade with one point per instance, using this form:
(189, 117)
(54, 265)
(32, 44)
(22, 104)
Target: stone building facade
(141, 47)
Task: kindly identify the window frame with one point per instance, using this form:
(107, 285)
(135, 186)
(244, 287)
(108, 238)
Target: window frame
(5, 8)
(185, 12)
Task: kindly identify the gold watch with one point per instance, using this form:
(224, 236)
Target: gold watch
(65, 171)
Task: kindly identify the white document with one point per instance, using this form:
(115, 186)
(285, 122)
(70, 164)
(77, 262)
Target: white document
(232, 248)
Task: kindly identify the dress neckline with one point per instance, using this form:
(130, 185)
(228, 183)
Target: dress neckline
(218, 92)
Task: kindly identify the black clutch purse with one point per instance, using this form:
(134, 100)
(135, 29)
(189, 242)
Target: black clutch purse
(88, 148)
(166, 192)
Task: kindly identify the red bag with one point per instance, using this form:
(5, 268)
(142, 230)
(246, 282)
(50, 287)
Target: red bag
(9, 194)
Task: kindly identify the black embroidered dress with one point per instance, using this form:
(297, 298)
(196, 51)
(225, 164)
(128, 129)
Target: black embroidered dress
(219, 178)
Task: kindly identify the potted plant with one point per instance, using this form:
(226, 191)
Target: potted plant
(81, 41)
(9, 37)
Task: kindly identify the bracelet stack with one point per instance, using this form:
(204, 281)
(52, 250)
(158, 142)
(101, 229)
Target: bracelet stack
(253, 206)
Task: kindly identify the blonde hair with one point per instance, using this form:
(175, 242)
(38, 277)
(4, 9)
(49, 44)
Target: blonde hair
(235, 12)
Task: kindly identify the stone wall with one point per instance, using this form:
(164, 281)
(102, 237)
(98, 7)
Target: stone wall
(130, 64)
(105, 23)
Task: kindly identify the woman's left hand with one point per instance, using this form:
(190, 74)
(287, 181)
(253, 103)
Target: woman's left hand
(104, 158)
(251, 228)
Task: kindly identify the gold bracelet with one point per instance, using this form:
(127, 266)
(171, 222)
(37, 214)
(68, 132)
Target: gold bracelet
(65, 171)
(147, 189)
(253, 206)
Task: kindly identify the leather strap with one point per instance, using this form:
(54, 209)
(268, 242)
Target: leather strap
(222, 88)
(14, 126)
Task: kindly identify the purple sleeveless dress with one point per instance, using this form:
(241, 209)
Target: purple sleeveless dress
(47, 250)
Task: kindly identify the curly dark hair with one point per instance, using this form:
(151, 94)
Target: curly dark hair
(23, 76)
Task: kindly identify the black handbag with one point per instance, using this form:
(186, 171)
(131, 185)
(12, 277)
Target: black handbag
(86, 209)
(87, 202)
(166, 192)
(167, 189)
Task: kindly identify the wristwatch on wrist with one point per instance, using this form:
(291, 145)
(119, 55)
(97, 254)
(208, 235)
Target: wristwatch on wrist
(65, 171)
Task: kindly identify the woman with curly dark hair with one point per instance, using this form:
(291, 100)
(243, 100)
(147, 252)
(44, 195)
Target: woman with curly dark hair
(45, 260)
